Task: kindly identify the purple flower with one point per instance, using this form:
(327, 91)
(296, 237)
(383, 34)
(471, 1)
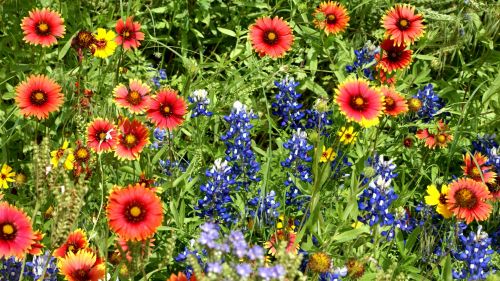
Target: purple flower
(244, 270)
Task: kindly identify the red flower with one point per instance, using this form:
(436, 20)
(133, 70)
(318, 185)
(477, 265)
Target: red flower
(332, 17)
(494, 188)
(272, 37)
(278, 237)
(394, 103)
(132, 139)
(37, 246)
(16, 234)
(39, 96)
(136, 97)
(393, 57)
(466, 199)
(42, 27)
(402, 25)
(128, 33)
(359, 102)
(440, 139)
(167, 109)
(134, 212)
(477, 170)
(181, 277)
(84, 265)
(101, 135)
(76, 241)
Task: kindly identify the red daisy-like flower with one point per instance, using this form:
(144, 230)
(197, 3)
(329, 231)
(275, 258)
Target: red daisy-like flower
(384, 77)
(37, 246)
(84, 265)
(167, 109)
(136, 97)
(402, 24)
(394, 103)
(181, 277)
(16, 234)
(272, 37)
(393, 57)
(278, 237)
(494, 188)
(101, 135)
(132, 139)
(39, 96)
(134, 212)
(476, 168)
(359, 102)
(42, 27)
(128, 33)
(440, 139)
(331, 17)
(467, 200)
(76, 241)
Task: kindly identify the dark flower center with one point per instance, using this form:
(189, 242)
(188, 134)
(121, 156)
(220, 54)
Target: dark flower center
(495, 186)
(135, 212)
(442, 198)
(134, 98)
(7, 231)
(404, 24)
(331, 19)
(38, 97)
(270, 37)
(465, 198)
(130, 140)
(42, 28)
(101, 44)
(81, 275)
(101, 136)
(82, 153)
(84, 39)
(475, 172)
(126, 34)
(394, 55)
(389, 103)
(166, 110)
(358, 103)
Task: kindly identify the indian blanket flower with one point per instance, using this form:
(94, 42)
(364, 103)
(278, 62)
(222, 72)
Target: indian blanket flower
(394, 103)
(42, 27)
(16, 234)
(101, 135)
(467, 200)
(440, 139)
(201, 101)
(37, 245)
(347, 135)
(393, 57)
(64, 151)
(402, 24)
(39, 96)
(6, 176)
(438, 199)
(286, 105)
(180, 277)
(282, 235)
(82, 153)
(359, 102)
(76, 241)
(135, 97)
(271, 36)
(133, 137)
(327, 155)
(167, 109)
(134, 212)
(129, 35)
(476, 168)
(84, 265)
(332, 17)
(104, 43)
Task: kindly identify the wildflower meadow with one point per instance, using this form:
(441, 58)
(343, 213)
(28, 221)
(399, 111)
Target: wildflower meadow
(173, 140)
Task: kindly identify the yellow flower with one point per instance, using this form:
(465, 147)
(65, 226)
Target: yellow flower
(319, 262)
(57, 154)
(357, 224)
(105, 43)
(367, 123)
(6, 175)
(347, 135)
(438, 199)
(327, 155)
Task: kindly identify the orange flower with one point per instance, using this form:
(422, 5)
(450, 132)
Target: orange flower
(101, 135)
(467, 200)
(84, 265)
(42, 27)
(167, 109)
(39, 96)
(76, 241)
(181, 277)
(440, 139)
(394, 103)
(16, 234)
(133, 137)
(279, 236)
(37, 246)
(476, 170)
(331, 17)
(402, 24)
(272, 37)
(393, 57)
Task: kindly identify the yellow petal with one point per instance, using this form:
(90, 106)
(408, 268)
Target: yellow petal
(444, 211)
(433, 197)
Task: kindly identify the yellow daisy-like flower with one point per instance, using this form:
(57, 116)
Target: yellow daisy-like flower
(347, 135)
(328, 155)
(6, 176)
(438, 199)
(105, 44)
(357, 224)
(57, 154)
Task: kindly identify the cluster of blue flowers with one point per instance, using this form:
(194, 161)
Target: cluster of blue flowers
(10, 269)
(488, 147)
(365, 58)
(431, 103)
(158, 79)
(298, 157)
(317, 119)
(294, 197)
(201, 101)
(475, 253)
(267, 207)
(168, 166)
(159, 138)
(286, 106)
(335, 275)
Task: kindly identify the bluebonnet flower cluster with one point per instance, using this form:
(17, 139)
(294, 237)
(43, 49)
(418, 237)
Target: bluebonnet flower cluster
(375, 201)
(381, 167)
(286, 106)
(298, 157)
(238, 145)
(168, 166)
(317, 119)
(475, 253)
(10, 269)
(159, 138)
(216, 201)
(431, 103)
(201, 101)
(484, 143)
(335, 275)
(267, 207)
(294, 197)
(340, 161)
(35, 268)
(162, 75)
(402, 221)
(495, 240)
(365, 58)
(273, 272)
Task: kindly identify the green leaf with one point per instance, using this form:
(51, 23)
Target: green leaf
(226, 31)
(65, 49)
(446, 273)
(351, 234)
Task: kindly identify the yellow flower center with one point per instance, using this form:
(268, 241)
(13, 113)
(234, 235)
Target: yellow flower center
(475, 172)
(82, 153)
(166, 109)
(126, 34)
(43, 27)
(134, 97)
(403, 23)
(359, 101)
(39, 96)
(130, 139)
(465, 198)
(135, 211)
(102, 136)
(441, 138)
(331, 17)
(8, 229)
(414, 104)
(271, 36)
(71, 248)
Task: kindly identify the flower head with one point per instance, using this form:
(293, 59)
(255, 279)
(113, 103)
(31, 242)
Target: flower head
(84, 265)
(359, 102)
(476, 168)
(6, 176)
(76, 241)
(332, 17)
(16, 234)
(104, 43)
(167, 109)
(42, 27)
(347, 135)
(135, 97)
(426, 103)
(319, 262)
(272, 37)
(327, 155)
(133, 137)
(61, 152)
(83, 40)
(281, 235)
(39, 96)
(134, 212)
(402, 24)
(393, 57)
(101, 135)
(128, 33)
(467, 200)
(394, 103)
(201, 101)
(440, 139)
(181, 277)
(438, 199)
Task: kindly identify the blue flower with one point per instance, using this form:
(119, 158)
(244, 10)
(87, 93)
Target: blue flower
(365, 58)
(159, 135)
(244, 270)
(201, 101)
(375, 201)
(162, 75)
(286, 105)
(298, 157)
(319, 120)
(39, 263)
(431, 103)
(266, 207)
(10, 269)
(294, 197)
(270, 273)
